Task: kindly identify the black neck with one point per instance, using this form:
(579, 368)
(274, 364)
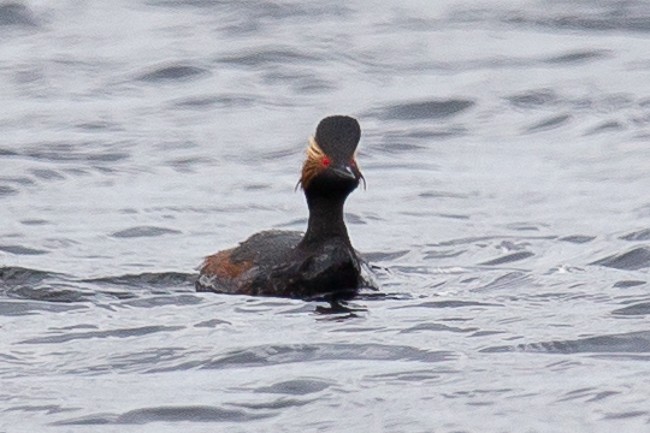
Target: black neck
(325, 219)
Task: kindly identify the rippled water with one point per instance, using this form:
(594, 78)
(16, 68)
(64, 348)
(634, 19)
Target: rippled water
(507, 158)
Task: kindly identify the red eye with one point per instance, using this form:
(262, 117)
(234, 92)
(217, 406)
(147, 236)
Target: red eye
(326, 161)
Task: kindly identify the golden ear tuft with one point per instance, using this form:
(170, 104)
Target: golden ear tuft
(314, 152)
(312, 165)
(355, 165)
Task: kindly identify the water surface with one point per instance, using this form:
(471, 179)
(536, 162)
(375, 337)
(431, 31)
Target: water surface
(506, 153)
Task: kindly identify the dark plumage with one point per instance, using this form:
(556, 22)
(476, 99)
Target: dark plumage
(288, 263)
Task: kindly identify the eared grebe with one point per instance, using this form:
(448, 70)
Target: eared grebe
(321, 262)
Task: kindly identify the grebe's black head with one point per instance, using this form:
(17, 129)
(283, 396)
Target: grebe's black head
(330, 167)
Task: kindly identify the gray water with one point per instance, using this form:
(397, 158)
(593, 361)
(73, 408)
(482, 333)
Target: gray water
(506, 149)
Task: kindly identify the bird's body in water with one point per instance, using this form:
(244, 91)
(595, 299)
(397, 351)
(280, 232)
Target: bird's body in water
(322, 262)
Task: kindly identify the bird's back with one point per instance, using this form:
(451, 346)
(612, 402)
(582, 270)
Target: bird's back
(274, 263)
